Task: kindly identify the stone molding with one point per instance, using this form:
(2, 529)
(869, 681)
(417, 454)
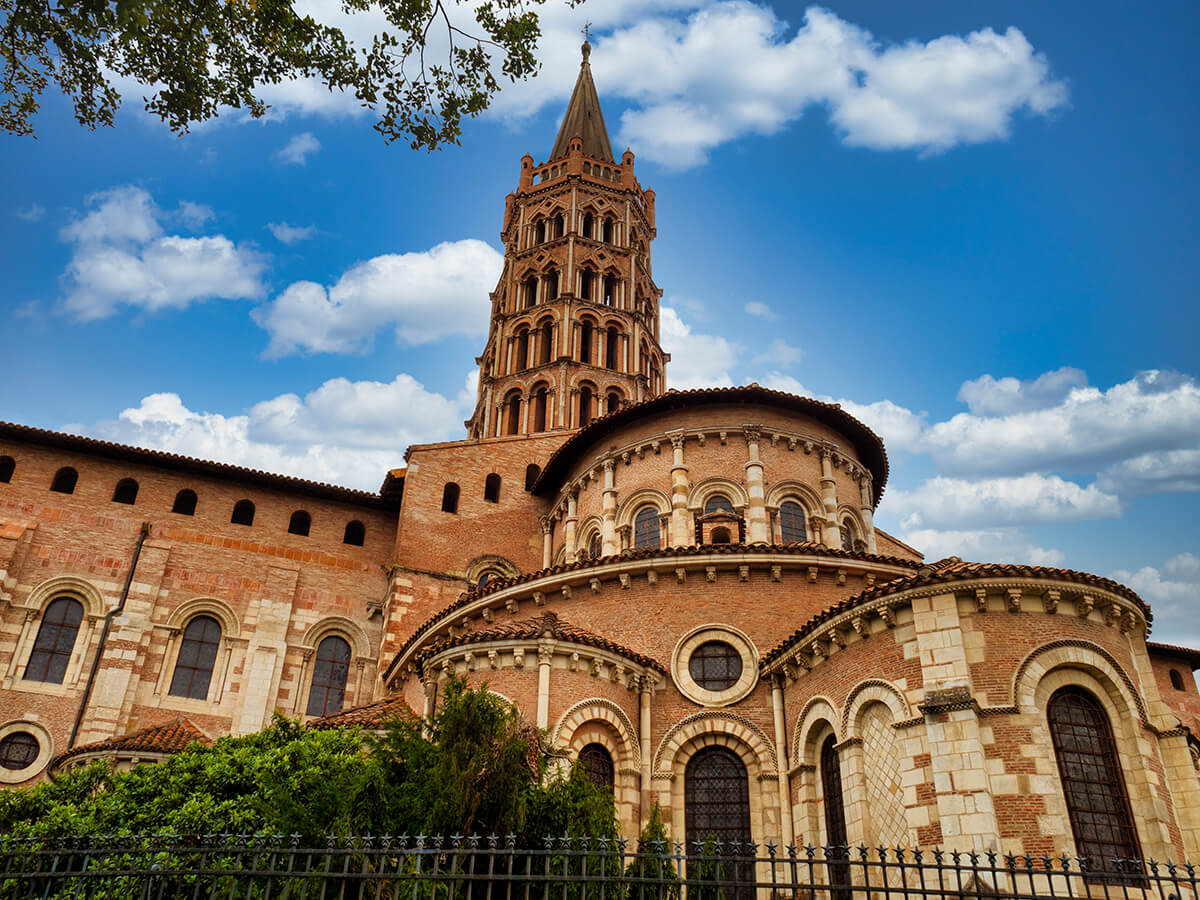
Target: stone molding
(581, 713)
(693, 725)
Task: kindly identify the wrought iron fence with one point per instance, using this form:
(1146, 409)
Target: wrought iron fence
(279, 867)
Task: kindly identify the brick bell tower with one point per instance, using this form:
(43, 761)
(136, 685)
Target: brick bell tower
(575, 324)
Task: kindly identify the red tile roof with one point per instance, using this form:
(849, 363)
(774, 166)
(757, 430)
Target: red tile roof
(164, 460)
(951, 570)
(866, 442)
(369, 715)
(170, 737)
(547, 625)
(1192, 656)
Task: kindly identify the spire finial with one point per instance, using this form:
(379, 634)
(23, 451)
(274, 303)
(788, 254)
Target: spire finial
(586, 49)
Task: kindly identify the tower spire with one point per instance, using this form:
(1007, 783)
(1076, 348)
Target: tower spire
(584, 117)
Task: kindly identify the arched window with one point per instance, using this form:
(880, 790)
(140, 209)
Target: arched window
(330, 671)
(18, 750)
(595, 546)
(585, 341)
(612, 403)
(185, 503)
(300, 523)
(450, 497)
(560, 224)
(791, 522)
(540, 229)
(522, 349)
(835, 819)
(243, 513)
(539, 409)
(611, 343)
(125, 491)
(609, 292)
(512, 413)
(55, 641)
(530, 291)
(491, 488)
(716, 804)
(547, 341)
(7, 464)
(718, 503)
(197, 657)
(1176, 680)
(585, 285)
(646, 528)
(585, 405)
(64, 481)
(588, 225)
(847, 535)
(597, 763)
(720, 536)
(355, 534)
(1092, 781)
(550, 286)
(532, 471)
(607, 234)
(484, 580)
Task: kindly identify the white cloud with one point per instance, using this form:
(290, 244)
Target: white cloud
(988, 396)
(1154, 411)
(1006, 545)
(779, 352)
(424, 295)
(194, 215)
(761, 310)
(31, 213)
(1168, 472)
(297, 151)
(697, 360)
(290, 234)
(345, 432)
(1172, 592)
(1030, 499)
(899, 427)
(121, 256)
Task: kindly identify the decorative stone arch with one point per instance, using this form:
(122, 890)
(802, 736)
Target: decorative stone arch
(755, 748)
(646, 496)
(74, 588)
(593, 524)
(1082, 664)
(177, 621)
(490, 563)
(818, 714)
(360, 649)
(716, 484)
(208, 606)
(600, 709)
(871, 691)
(802, 493)
(1071, 653)
(66, 586)
(345, 628)
(846, 513)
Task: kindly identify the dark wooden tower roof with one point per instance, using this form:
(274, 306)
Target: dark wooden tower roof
(584, 118)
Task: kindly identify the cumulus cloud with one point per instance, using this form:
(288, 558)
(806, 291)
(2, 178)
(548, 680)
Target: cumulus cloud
(424, 296)
(1153, 412)
(1172, 593)
(345, 432)
(988, 396)
(1030, 499)
(31, 213)
(297, 151)
(121, 256)
(1173, 471)
(761, 310)
(290, 234)
(1007, 545)
(779, 352)
(697, 360)
(900, 427)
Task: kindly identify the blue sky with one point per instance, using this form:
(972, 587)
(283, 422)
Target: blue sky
(972, 224)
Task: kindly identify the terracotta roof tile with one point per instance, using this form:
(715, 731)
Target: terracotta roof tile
(950, 570)
(867, 443)
(165, 460)
(547, 625)
(499, 584)
(369, 715)
(1192, 656)
(169, 737)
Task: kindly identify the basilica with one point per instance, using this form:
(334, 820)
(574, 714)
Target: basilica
(685, 589)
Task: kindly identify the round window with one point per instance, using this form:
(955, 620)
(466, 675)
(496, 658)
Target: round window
(18, 750)
(715, 665)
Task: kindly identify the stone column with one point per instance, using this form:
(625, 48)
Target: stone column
(788, 834)
(547, 541)
(865, 510)
(681, 520)
(756, 511)
(647, 691)
(545, 656)
(608, 538)
(569, 526)
(831, 534)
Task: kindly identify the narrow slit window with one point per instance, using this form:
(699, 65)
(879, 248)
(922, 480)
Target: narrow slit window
(243, 513)
(64, 481)
(7, 465)
(491, 488)
(185, 503)
(126, 492)
(450, 498)
(532, 471)
(355, 534)
(300, 523)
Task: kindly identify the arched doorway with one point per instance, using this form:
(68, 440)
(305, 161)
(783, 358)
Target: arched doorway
(836, 844)
(716, 805)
